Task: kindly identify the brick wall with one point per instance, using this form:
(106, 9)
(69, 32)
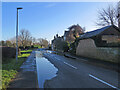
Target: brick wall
(87, 48)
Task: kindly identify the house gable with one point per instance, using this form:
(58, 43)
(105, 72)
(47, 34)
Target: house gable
(103, 36)
(69, 35)
(105, 30)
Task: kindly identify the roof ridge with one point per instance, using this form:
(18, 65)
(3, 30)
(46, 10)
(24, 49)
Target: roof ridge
(96, 32)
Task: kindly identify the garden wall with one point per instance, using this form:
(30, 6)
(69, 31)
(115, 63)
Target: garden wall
(87, 48)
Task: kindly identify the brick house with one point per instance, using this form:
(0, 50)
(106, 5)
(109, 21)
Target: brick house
(73, 30)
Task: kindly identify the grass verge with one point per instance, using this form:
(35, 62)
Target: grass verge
(37, 46)
(10, 69)
(24, 55)
(26, 51)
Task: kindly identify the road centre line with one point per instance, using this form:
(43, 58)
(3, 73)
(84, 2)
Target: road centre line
(103, 81)
(70, 65)
(66, 63)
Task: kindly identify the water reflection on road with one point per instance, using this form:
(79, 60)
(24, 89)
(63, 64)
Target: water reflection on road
(45, 69)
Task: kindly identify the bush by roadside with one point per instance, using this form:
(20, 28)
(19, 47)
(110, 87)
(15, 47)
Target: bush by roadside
(30, 47)
(8, 52)
(10, 69)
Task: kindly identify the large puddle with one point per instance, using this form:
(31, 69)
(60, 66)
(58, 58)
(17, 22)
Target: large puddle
(45, 69)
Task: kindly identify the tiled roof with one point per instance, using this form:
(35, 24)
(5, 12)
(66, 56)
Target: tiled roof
(95, 32)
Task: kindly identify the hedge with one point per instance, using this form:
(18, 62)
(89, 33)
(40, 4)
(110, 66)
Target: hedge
(8, 52)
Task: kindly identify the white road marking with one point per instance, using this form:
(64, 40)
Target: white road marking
(70, 65)
(102, 81)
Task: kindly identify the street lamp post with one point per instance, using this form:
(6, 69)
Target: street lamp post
(17, 35)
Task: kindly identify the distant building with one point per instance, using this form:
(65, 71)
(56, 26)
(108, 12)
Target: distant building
(55, 40)
(69, 36)
(74, 30)
(103, 36)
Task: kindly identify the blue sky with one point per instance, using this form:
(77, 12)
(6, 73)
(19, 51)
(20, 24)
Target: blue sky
(45, 19)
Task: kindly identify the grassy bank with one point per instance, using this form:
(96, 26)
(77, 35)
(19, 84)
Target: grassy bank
(10, 69)
(26, 51)
(24, 55)
(37, 46)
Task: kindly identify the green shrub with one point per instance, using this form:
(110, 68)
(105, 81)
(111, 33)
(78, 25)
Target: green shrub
(12, 65)
(61, 45)
(7, 76)
(9, 70)
(32, 46)
(65, 47)
(73, 46)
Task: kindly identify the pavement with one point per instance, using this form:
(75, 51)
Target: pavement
(27, 76)
(79, 74)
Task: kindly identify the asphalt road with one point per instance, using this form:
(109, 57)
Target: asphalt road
(79, 74)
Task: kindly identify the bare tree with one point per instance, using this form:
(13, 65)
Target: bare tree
(33, 40)
(24, 37)
(118, 13)
(2, 43)
(30, 41)
(107, 16)
(8, 43)
(83, 29)
(40, 41)
(43, 42)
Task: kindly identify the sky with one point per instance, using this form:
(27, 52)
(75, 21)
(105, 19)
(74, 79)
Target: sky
(46, 19)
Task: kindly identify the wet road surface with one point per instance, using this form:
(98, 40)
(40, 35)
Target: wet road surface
(78, 74)
(45, 70)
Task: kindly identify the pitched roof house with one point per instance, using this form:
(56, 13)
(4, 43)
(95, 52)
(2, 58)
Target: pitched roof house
(73, 30)
(108, 34)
